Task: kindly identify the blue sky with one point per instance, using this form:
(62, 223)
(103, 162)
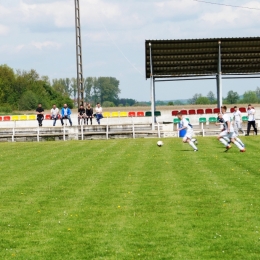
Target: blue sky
(40, 35)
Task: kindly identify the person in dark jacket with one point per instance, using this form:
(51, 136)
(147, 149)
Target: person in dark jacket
(81, 114)
(89, 113)
(40, 114)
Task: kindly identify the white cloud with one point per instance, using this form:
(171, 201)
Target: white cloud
(34, 27)
(46, 44)
(18, 48)
(3, 29)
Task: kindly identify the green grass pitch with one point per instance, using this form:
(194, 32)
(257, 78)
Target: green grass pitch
(129, 199)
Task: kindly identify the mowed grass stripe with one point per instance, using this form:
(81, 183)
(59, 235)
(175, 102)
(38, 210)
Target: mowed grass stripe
(213, 193)
(128, 199)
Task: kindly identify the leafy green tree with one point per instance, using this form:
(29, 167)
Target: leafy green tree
(194, 98)
(88, 88)
(202, 101)
(28, 101)
(211, 97)
(7, 85)
(250, 97)
(170, 103)
(257, 91)
(108, 89)
(232, 97)
(74, 86)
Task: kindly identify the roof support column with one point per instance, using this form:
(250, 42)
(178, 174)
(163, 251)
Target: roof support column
(152, 88)
(219, 77)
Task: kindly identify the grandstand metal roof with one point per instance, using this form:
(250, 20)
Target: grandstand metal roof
(199, 57)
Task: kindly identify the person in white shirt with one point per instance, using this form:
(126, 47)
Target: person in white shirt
(188, 136)
(98, 113)
(220, 121)
(251, 119)
(237, 116)
(228, 132)
(54, 114)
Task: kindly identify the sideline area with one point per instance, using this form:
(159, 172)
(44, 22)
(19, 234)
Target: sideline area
(116, 124)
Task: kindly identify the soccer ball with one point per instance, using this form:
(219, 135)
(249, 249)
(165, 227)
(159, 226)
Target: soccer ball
(160, 143)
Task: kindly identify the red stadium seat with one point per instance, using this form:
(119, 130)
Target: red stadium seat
(47, 117)
(6, 118)
(242, 109)
(192, 112)
(1, 119)
(216, 110)
(131, 114)
(174, 112)
(200, 111)
(232, 110)
(184, 112)
(140, 113)
(208, 111)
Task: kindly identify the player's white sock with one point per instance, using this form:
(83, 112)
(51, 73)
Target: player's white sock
(193, 145)
(240, 142)
(239, 146)
(223, 141)
(226, 138)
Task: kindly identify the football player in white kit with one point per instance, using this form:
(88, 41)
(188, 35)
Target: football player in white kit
(228, 132)
(188, 136)
(237, 115)
(221, 122)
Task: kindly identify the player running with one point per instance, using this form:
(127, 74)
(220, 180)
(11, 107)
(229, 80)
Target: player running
(188, 136)
(228, 132)
(237, 116)
(221, 122)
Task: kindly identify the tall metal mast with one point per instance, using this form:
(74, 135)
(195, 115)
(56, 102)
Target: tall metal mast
(79, 55)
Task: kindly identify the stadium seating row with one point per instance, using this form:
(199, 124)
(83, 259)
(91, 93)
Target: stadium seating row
(18, 118)
(105, 114)
(202, 111)
(130, 114)
(211, 120)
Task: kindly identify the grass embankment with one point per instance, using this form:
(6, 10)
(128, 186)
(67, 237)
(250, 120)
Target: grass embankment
(129, 199)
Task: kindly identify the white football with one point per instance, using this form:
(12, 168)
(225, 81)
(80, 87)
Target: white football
(160, 143)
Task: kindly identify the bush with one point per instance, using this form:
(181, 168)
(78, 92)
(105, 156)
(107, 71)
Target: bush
(108, 104)
(6, 108)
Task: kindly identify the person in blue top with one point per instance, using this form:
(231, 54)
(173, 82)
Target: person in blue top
(65, 114)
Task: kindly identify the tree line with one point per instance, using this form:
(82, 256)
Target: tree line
(250, 96)
(23, 90)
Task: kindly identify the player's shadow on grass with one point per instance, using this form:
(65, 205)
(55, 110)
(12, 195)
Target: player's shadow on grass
(186, 150)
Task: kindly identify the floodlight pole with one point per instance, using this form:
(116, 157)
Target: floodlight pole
(219, 77)
(152, 88)
(79, 55)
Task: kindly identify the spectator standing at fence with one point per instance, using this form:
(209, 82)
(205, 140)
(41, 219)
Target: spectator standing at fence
(98, 113)
(81, 114)
(251, 119)
(40, 114)
(237, 116)
(65, 114)
(89, 113)
(54, 114)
